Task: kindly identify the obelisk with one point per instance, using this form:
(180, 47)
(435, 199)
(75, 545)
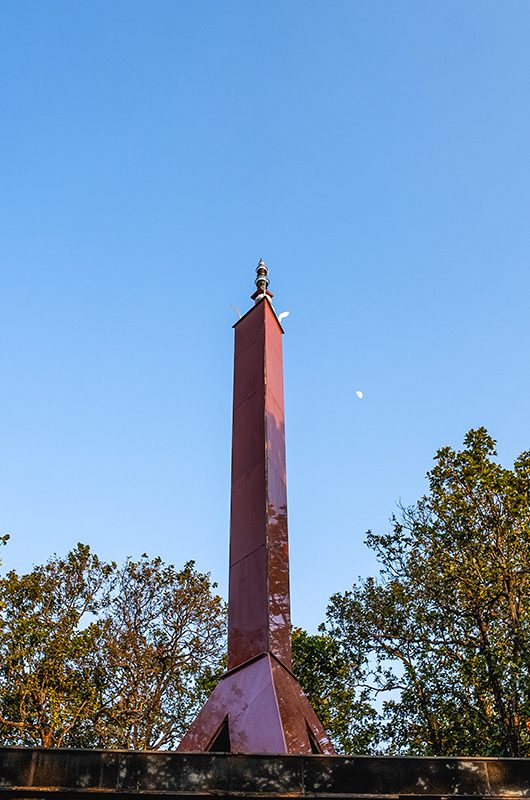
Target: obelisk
(258, 706)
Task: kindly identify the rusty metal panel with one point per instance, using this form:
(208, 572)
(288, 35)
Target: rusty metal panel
(258, 706)
(248, 615)
(259, 604)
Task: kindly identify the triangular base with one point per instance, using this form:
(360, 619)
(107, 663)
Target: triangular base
(258, 707)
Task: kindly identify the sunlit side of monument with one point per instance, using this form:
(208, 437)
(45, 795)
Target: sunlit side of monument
(258, 705)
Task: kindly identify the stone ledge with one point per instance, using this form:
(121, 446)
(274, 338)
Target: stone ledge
(40, 772)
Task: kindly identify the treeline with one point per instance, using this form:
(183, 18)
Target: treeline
(429, 657)
(95, 655)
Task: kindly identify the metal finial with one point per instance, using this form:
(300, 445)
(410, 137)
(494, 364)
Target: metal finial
(262, 282)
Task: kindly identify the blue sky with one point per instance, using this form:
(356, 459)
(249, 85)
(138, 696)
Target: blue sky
(375, 154)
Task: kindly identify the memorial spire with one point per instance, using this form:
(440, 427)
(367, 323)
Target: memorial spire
(258, 706)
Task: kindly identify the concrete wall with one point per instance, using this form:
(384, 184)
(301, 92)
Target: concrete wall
(40, 772)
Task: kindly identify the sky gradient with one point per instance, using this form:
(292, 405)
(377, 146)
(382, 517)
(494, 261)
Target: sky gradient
(375, 154)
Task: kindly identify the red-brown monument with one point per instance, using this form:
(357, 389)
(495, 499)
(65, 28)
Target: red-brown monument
(258, 706)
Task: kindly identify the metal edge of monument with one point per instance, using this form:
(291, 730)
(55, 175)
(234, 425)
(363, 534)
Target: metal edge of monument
(258, 706)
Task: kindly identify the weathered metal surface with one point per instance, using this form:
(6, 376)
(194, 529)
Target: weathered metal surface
(38, 772)
(259, 606)
(258, 706)
(265, 709)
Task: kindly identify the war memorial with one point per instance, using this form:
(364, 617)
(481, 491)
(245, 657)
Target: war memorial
(257, 735)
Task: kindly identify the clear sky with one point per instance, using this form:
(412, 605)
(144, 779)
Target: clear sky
(375, 154)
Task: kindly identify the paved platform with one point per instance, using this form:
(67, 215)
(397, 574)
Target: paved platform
(41, 773)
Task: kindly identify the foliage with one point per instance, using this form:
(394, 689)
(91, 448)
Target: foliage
(96, 655)
(50, 680)
(164, 635)
(444, 633)
(330, 681)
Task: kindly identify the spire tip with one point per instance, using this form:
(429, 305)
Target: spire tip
(262, 282)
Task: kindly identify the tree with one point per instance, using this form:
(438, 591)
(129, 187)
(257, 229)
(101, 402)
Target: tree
(444, 632)
(50, 679)
(165, 633)
(96, 655)
(331, 682)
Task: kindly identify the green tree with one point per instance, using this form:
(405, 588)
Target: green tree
(96, 655)
(50, 678)
(442, 637)
(331, 682)
(164, 635)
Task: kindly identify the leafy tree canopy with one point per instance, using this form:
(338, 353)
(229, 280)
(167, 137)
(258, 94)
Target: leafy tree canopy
(330, 679)
(92, 655)
(441, 638)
